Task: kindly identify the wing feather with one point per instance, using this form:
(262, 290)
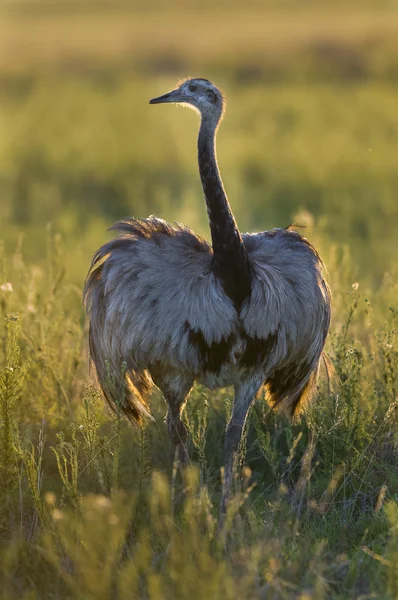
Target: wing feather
(290, 307)
(157, 287)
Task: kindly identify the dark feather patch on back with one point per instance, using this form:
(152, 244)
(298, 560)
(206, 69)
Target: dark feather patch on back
(212, 356)
(257, 350)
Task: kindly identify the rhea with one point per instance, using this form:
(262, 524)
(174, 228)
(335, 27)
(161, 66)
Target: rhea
(168, 309)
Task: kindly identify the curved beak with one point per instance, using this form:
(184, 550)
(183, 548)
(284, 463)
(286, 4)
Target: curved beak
(174, 96)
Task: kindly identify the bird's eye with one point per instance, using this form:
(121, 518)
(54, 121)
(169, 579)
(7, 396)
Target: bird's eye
(193, 88)
(211, 95)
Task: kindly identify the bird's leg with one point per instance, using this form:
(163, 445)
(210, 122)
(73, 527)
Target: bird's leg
(175, 388)
(245, 392)
(176, 428)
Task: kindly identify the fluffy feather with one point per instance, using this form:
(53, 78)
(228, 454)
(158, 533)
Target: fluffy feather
(153, 298)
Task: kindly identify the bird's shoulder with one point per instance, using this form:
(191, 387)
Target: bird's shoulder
(277, 242)
(156, 282)
(289, 290)
(159, 231)
(148, 247)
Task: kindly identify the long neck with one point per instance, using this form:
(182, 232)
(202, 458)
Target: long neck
(230, 260)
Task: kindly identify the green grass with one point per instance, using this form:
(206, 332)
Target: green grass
(91, 508)
(86, 501)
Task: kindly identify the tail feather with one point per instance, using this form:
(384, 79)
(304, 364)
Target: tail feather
(124, 388)
(330, 371)
(291, 393)
(293, 402)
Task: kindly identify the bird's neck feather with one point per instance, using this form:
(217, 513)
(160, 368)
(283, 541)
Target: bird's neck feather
(230, 260)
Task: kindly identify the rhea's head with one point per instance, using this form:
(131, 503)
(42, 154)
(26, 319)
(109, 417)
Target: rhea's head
(199, 94)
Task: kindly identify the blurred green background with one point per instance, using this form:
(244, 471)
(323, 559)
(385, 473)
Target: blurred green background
(310, 137)
(311, 132)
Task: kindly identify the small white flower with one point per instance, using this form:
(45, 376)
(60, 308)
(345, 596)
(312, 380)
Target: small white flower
(6, 287)
(355, 286)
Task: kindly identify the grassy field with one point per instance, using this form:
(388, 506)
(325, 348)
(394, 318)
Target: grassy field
(89, 507)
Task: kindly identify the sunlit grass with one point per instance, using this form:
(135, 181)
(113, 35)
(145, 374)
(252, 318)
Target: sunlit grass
(87, 501)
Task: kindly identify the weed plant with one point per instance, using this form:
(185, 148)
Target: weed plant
(92, 508)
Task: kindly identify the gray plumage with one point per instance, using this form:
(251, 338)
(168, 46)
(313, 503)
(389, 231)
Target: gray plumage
(167, 308)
